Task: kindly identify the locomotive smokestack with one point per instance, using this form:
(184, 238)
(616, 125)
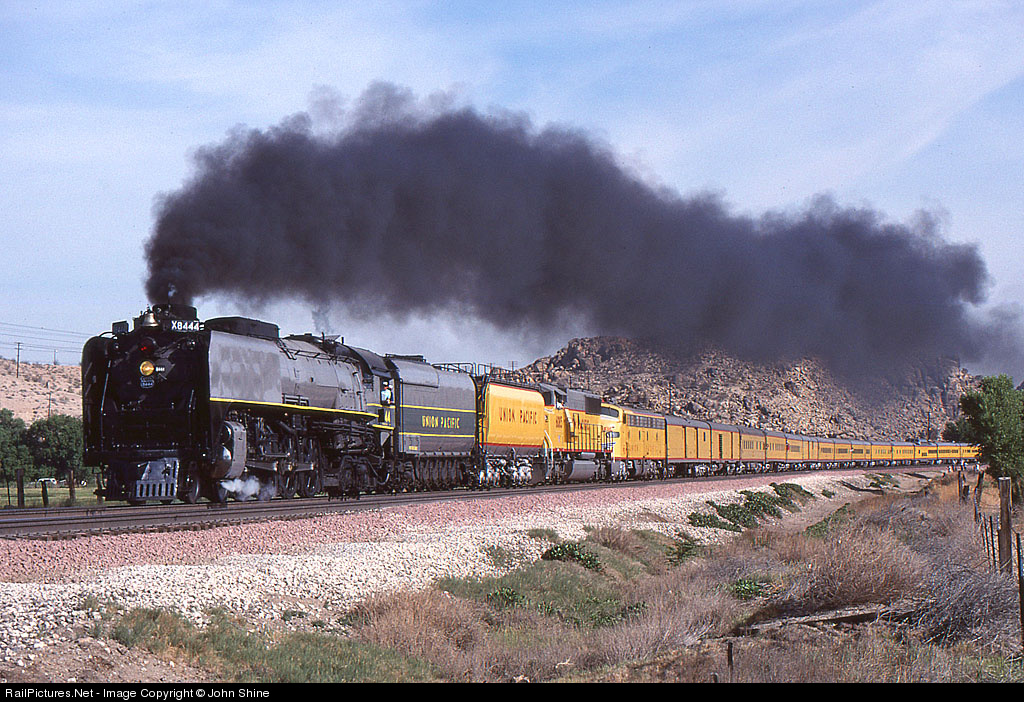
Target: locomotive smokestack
(423, 207)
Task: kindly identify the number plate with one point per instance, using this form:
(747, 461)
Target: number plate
(181, 325)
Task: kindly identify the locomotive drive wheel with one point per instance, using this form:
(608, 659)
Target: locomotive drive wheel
(309, 483)
(287, 485)
(189, 492)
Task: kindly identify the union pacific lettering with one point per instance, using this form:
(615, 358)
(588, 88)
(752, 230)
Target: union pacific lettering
(518, 416)
(431, 421)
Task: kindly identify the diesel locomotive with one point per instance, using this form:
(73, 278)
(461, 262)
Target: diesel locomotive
(228, 408)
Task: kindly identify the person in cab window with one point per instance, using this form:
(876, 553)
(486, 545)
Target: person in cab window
(385, 394)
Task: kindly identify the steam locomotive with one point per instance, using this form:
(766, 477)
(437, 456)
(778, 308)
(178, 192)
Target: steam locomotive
(228, 408)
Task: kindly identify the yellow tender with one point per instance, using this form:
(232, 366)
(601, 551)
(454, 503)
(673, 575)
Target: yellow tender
(513, 418)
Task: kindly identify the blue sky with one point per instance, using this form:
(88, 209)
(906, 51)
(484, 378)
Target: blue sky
(899, 106)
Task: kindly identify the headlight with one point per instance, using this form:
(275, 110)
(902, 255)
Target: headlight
(146, 368)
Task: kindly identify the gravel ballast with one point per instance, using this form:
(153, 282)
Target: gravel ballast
(301, 570)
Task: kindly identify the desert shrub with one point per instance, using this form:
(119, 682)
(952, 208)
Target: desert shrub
(787, 547)
(858, 565)
(965, 604)
(737, 513)
(543, 534)
(831, 522)
(228, 647)
(429, 624)
(616, 539)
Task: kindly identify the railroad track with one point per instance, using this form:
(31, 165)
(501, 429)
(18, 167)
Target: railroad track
(73, 522)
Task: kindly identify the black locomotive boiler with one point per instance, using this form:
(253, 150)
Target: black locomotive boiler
(175, 407)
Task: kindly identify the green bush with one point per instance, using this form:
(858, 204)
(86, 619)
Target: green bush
(573, 553)
(711, 521)
(504, 598)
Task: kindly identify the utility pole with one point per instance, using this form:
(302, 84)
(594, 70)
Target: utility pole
(17, 363)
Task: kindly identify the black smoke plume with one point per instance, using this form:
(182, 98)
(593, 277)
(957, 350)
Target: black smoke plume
(423, 207)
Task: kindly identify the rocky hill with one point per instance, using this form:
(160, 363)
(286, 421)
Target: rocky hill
(800, 397)
(29, 391)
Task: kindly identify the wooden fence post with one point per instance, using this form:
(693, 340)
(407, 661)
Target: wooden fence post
(991, 542)
(1020, 591)
(977, 495)
(19, 477)
(1005, 528)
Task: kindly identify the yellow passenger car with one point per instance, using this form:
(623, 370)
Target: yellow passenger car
(752, 446)
(827, 452)
(796, 449)
(639, 449)
(860, 452)
(881, 453)
(843, 452)
(926, 453)
(688, 444)
(775, 447)
(725, 444)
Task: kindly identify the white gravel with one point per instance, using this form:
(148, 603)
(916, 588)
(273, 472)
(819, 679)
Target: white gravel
(303, 570)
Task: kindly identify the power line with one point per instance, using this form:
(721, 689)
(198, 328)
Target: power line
(11, 338)
(38, 347)
(47, 329)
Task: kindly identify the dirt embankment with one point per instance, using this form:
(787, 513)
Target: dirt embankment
(31, 390)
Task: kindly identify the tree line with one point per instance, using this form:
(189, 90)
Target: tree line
(993, 418)
(48, 448)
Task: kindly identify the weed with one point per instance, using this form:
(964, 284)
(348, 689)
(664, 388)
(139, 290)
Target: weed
(573, 553)
(748, 588)
(544, 535)
(831, 522)
(616, 539)
(500, 557)
(882, 481)
(793, 492)
(712, 521)
(683, 549)
(828, 494)
(504, 598)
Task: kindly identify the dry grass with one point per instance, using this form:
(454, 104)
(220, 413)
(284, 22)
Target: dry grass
(639, 617)
(617, 539)
(874, 654)
(857, 565)
(430, 624)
